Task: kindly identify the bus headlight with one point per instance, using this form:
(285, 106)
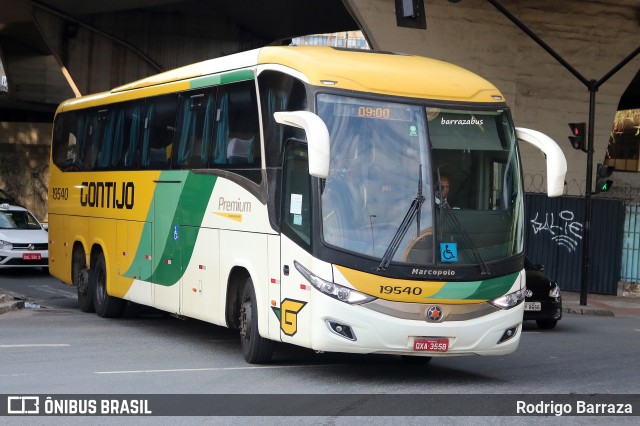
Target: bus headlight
(510, 300)
(341, 293)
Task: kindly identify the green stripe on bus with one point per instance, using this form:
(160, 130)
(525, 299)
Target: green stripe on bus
(496, 287)
(173, 246)
(224, 78)
(477, 290)
(457, 290)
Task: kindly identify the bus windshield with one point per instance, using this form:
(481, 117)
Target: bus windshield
(387, 156)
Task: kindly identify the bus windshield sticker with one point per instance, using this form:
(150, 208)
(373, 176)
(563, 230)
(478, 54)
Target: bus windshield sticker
(297, 219)
(448, 252)
(296, 204)
(413, 130)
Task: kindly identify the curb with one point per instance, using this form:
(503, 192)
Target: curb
(8, 303)
(576, 308)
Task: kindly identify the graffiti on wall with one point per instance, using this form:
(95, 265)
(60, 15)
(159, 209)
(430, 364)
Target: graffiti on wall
(564, 230)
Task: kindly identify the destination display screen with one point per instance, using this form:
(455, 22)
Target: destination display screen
(395, 113)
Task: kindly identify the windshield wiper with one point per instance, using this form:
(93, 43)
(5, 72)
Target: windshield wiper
(414, 209)
(444, 205)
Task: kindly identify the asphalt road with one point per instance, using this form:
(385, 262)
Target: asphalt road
(53, 348)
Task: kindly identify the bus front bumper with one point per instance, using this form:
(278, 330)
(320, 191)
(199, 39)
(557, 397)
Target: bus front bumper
(339, 327)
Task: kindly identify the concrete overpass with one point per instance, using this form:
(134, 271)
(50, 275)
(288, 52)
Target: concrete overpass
(56, 49)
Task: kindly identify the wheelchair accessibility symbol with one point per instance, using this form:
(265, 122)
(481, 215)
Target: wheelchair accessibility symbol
(448, 252)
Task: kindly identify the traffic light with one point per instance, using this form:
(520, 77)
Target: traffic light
(602, 183)
(578, 131)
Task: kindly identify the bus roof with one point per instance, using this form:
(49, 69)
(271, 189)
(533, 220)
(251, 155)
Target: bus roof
(384, 73)
(358, 70)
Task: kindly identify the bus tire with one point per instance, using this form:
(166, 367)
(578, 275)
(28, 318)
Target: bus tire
(106, 306)
(255, 348)
(80, 278)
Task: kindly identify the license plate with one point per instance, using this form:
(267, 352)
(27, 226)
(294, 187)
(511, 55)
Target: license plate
(532, 306)
(431, 345)
(31, 256)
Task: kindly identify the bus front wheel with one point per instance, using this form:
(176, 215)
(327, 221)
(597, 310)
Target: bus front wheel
(106, 306)
(255, 348)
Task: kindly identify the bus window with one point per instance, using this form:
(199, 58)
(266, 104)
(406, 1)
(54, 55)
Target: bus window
(102, 139)
(296, 195)
(86, 143)
(237, 139)
(67, 128)
(279, 92)
(159, 131)
(127, 136)
(195, 129)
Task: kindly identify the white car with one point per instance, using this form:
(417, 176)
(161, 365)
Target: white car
(23, 241)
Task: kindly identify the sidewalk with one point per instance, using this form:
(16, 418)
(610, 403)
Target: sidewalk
(9, 303)
(601, 305)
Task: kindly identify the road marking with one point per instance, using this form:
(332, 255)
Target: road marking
(179, 370)
(37, 345)
(56, 291)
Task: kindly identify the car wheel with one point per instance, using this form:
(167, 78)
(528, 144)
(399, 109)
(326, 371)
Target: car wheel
(546, 324)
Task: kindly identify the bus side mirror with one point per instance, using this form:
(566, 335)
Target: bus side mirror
(556, 161)
(317, 138)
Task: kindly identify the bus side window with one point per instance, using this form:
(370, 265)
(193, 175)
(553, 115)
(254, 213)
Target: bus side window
(87, 144)
(296, 194)
(65, 141)
(127, 136)
(195, 128)
(237, 136)
(159, 131)
(103, 138)
(279, 92)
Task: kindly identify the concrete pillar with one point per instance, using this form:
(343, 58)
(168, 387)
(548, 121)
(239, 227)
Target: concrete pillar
(24, 164)
(592, 36)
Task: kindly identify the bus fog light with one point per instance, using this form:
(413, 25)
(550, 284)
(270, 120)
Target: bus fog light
(341, 330)
(508, 334)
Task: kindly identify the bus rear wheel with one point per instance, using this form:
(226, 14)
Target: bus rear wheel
(255, 348)
(80, 277)
(106, 306)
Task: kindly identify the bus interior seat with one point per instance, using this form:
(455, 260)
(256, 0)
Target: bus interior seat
(157, 156)
(239, 150)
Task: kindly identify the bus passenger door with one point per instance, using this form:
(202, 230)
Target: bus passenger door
(166, 247)
(293, 312)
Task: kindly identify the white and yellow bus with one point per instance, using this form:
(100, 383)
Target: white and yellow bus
(297, 194)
